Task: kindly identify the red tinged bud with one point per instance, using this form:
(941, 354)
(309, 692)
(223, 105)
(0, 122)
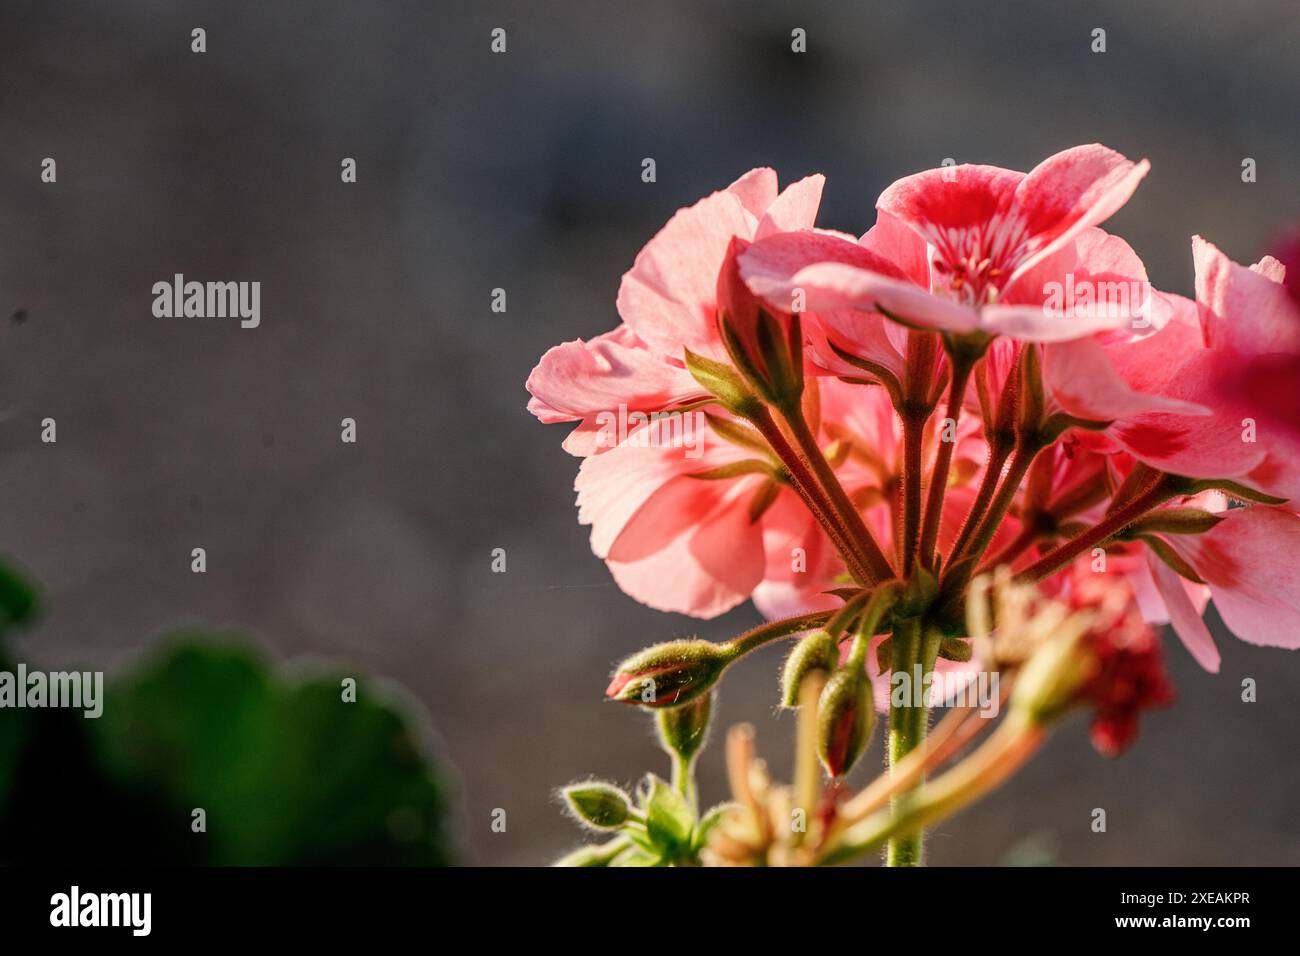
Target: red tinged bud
(671, 674)
(846, 715)
(766, 347)
(1128, 677)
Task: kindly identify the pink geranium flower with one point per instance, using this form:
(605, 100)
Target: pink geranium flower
(1240, 314)
(1269, 382)
(957, 249)
(699, 534)
(679, 542)
(984, 387)
(667, 302)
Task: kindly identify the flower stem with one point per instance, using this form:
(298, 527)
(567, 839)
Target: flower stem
(998, 455)
(1164, 488)
(805, 484)
(684, 778)
(1014, 741)
(859, 535)
(913, 432)
(907, 724)
(1026, 451)
(775, 630)
(961, 370)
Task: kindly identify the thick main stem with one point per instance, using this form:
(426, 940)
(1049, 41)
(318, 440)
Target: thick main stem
(943, 461)
(907, 724)
(1161, 491)
(1011, 744)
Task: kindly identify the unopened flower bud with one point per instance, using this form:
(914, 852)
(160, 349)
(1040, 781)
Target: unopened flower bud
(669, 674)
(767, 348)
(817, 651)
(1032, 400)
(599, 805)
(684, 729)
(846, 715)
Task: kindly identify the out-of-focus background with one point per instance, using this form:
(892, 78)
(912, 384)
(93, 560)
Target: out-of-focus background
(521, 171)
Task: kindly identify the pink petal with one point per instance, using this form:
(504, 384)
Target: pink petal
(952, 198)
(1071, 191)
(667, 297)
(1183, 616)
(866, 335)
(1032, 323)
(795, 208)
(1084, 383)
(1247, 559)
(614, 486)
(1101, 276)
(711, 566)
(579, 379)
(1174, 363)
(896, 242)
(756, 190)
(1243, 310)
(786, 591)
(834, 274)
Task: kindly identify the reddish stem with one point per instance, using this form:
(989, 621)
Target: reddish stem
(939, 478)
(856, 528)
(998, 455)
(1164, 488)
(806, 486)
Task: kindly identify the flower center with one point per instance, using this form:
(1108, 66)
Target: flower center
(973, 264)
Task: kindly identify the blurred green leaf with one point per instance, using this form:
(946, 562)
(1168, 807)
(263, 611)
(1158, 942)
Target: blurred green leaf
(19, 602)
(19, 599)
(287, 771)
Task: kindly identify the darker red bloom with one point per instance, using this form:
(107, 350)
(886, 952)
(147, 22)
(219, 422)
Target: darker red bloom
(1128, 675)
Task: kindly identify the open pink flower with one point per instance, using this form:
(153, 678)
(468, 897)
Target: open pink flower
(675, 541)
(967, 259)
(1240, 314)
(1268, 380)
(667, 304)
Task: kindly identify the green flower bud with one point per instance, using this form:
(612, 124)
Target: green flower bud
(670, 674)
(846, 715)
(683, 730)
(599, 805)
(817, 651)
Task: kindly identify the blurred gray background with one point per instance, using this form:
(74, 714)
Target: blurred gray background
(523, 171)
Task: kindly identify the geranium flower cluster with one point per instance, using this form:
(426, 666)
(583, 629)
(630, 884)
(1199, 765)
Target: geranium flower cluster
(854, 432)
